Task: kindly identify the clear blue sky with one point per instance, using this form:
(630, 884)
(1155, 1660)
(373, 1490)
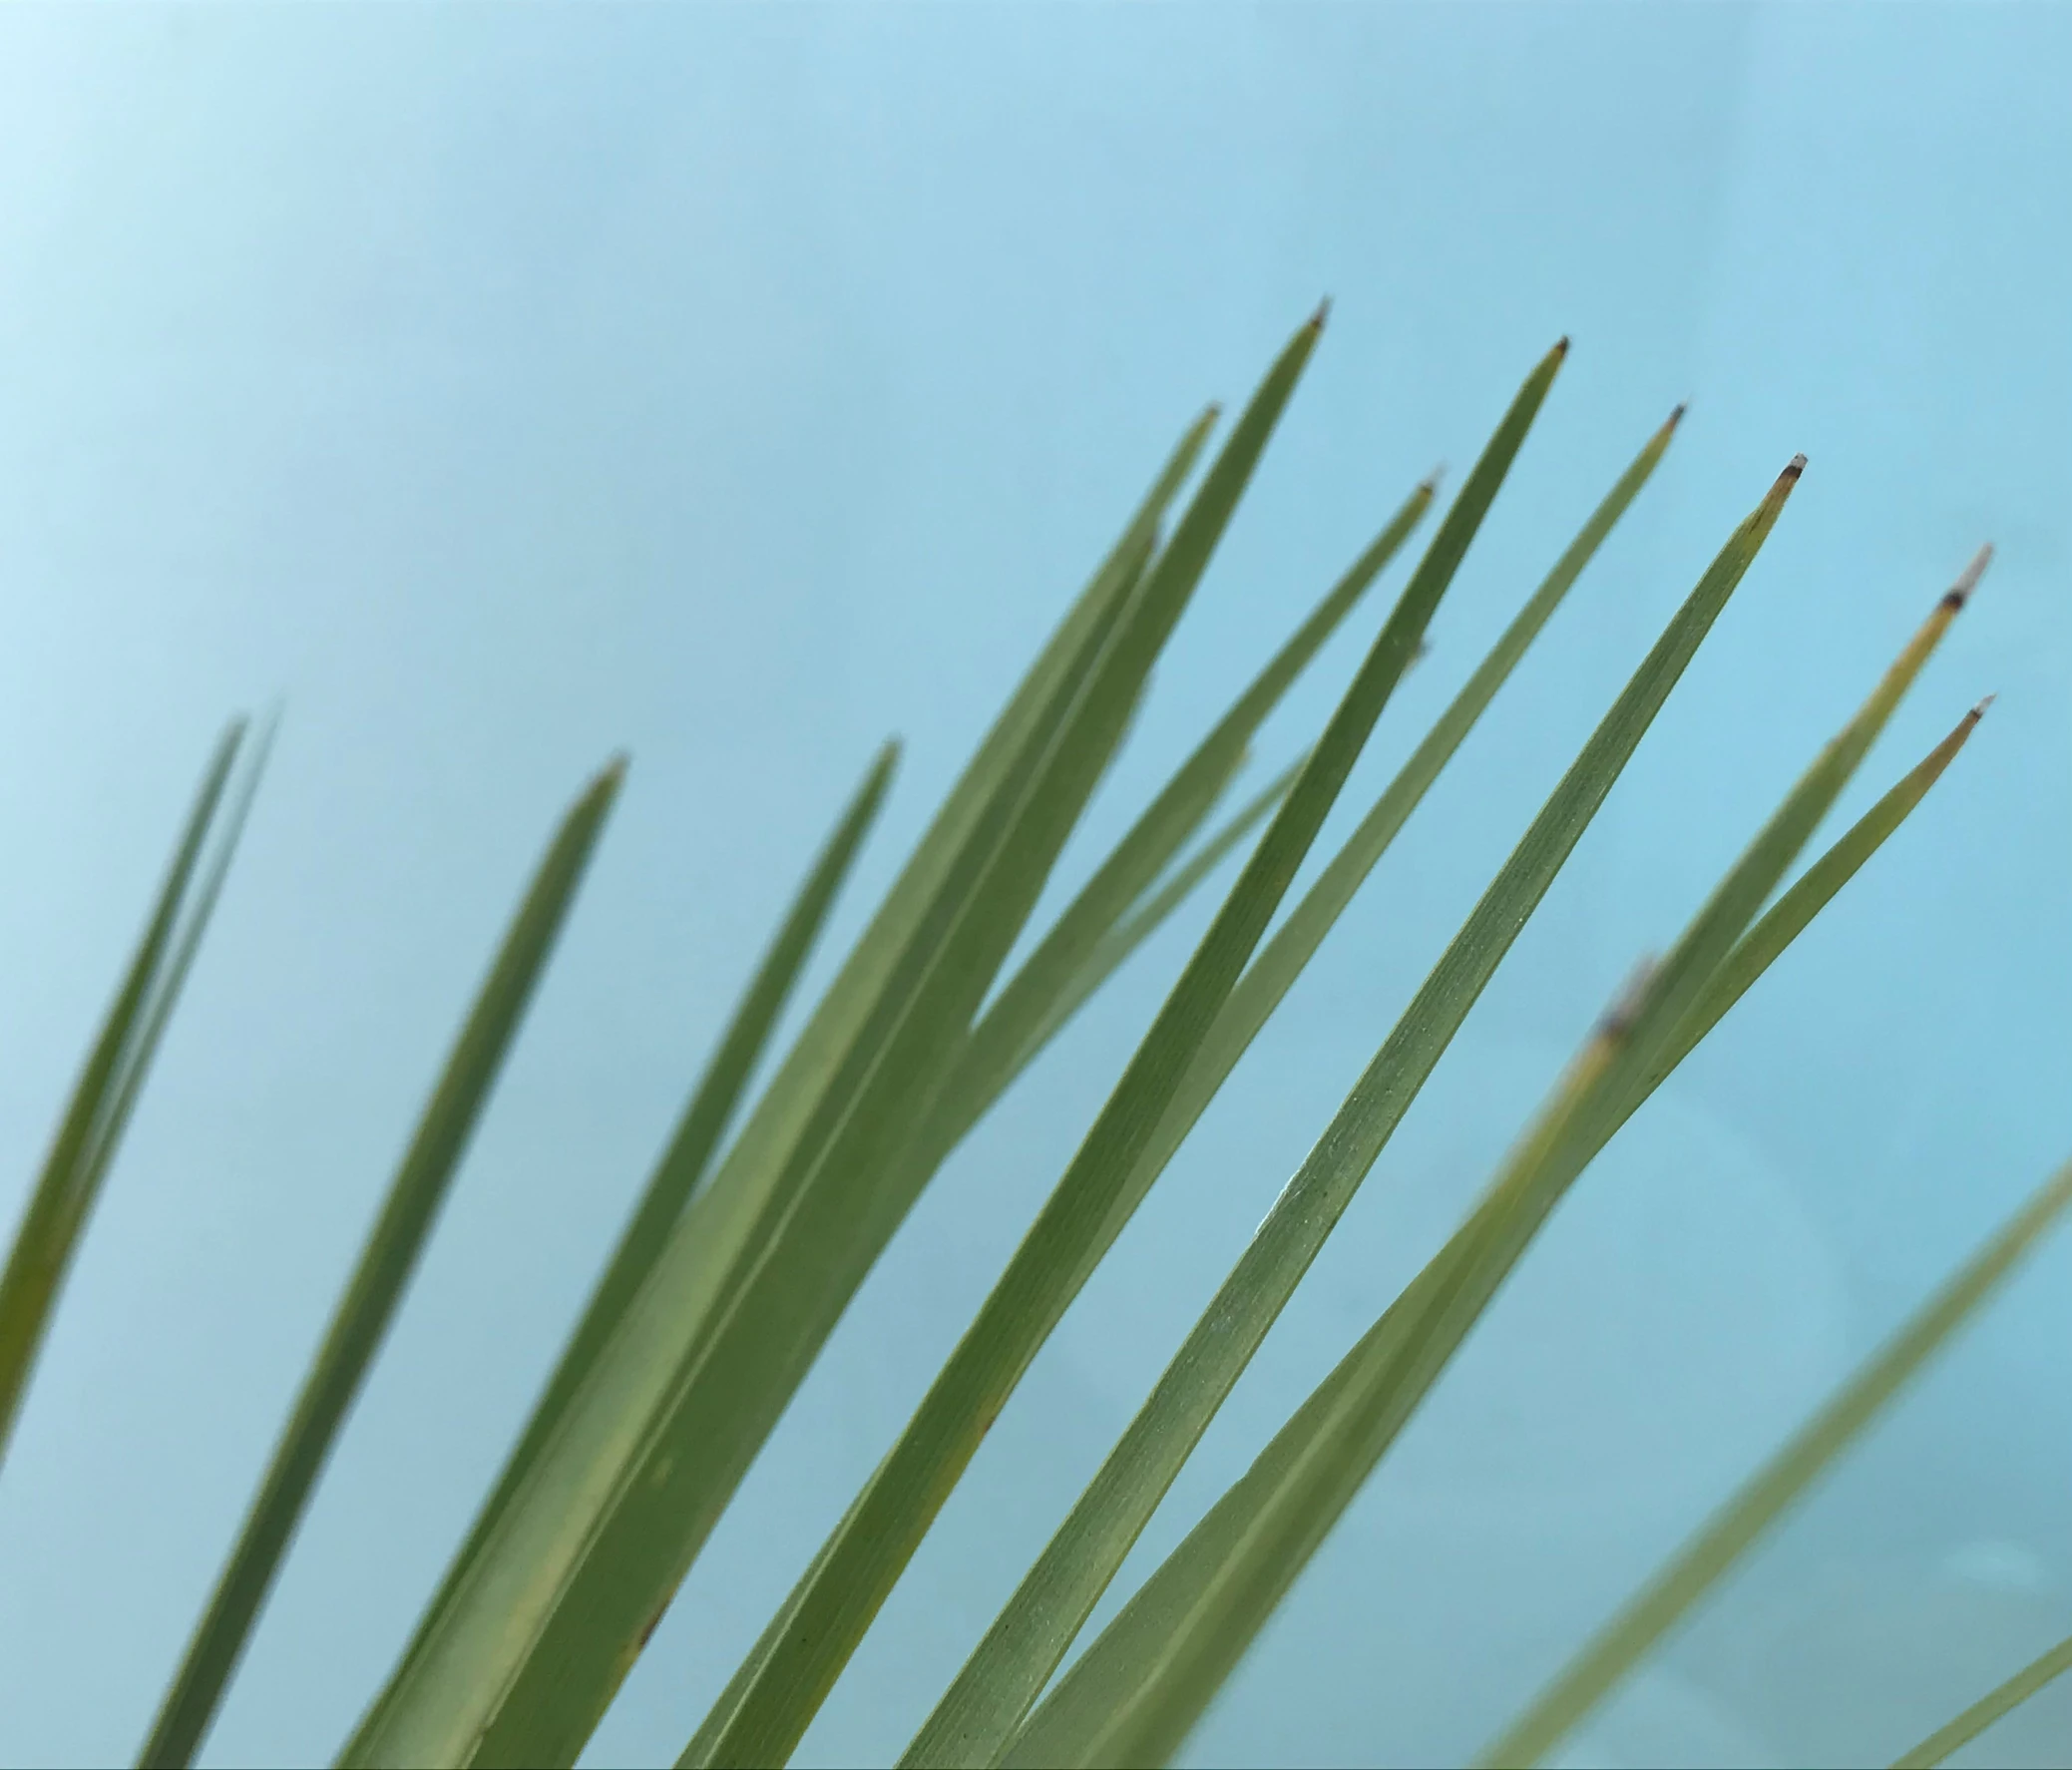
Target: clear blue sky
(506, 385)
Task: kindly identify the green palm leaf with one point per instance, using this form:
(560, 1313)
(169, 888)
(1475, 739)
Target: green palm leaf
(591, 1549)
(2001, 1700)
(371, 1297)
(690, 1150)
(1033, 1633)
(99, 1110)
(852, 1580)
(1027, 1008)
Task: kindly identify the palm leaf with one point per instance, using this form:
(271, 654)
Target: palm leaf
(690, 1150)
(1034, 1632)
(1283, 956)
(376, 1288)
(902, 1498)
(90, 1131)
(591, 1550)
(1271, 1525)
(2001, 1700)
(1030, 1003)
(1766, 1494)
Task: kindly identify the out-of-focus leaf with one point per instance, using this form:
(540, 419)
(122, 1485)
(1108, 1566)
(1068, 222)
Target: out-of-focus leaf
(90, 1131)
(2003, 1701)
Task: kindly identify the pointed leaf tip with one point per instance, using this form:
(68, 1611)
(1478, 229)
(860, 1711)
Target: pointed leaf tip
(1978, 712)
(1676, 417)
(1968, 580)
(1431, 483)
(1322, 313)
(1560, 345)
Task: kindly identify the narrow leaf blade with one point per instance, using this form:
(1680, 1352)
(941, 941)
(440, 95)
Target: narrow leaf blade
(376, 1287)
(852, 1580)
(2003, 1699)
(65, 1189)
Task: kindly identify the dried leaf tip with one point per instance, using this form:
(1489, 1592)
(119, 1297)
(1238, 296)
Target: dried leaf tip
(1677, 416)
(1978, 712)
(1430, 483)
(1322, 313)
(1560, 347)
(1967, 581)
(1781, 486)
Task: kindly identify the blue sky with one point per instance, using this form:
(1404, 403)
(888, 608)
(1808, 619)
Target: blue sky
(502, 386)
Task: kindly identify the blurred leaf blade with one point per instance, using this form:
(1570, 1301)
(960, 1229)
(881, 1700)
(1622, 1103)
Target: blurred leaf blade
(88, 1133)
(993, 1692)
(375, 1290)
(844, 1590)
(2000, 1701)
(1766, 1496)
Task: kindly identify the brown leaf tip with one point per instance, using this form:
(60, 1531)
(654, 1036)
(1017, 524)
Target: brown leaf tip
(1978, 712)
(1430, 483)
(1959, 593)
(1322, 313)
(1561, 346)
(1796, 467)
(1677, 417)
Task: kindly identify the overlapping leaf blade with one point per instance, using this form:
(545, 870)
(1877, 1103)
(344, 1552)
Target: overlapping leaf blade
(87, 1135)
(1034, 1632)
(690, 1150)
(1766, 1494)
(1031, 1003)
(1283, 958)
(1270, 1524)
(716, 1236)
(851, 1581)
(1100, 1683)
(376, 1287)
(596, 1539)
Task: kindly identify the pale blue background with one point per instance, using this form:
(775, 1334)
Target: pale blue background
(506, 385)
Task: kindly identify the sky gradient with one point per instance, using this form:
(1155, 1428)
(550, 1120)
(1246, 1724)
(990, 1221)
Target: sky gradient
(503, 386)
